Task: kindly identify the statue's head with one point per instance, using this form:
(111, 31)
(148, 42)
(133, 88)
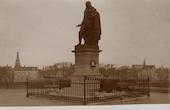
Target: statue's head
(88, 4)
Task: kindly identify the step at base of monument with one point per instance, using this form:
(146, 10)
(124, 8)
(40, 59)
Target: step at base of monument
(76, 92)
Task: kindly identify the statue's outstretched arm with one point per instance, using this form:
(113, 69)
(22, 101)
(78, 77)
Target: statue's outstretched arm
(79, 25)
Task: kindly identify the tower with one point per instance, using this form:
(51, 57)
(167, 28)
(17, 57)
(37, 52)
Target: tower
(17, 62)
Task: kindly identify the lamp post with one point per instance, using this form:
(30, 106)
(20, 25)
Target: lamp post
(27, 95)
(148, 92)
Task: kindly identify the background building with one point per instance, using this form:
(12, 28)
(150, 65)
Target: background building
(145, 70)
(61, 69)
(21, 73)
(6, 76)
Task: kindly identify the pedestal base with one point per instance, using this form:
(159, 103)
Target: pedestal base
(86, 60)
(82, 87)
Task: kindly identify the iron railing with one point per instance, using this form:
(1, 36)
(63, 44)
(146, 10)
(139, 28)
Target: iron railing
(88, 89)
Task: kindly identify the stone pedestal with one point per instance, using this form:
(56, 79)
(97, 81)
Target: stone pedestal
(83, 87)
(86, 60)
(85, 82)
(86, 64)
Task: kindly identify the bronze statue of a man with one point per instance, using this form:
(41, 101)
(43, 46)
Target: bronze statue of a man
(90, 29)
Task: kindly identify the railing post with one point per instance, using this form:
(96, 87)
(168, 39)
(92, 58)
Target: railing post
(148, 94)
(84, 98)
(27, 95)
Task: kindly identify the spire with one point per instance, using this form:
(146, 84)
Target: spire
(17, 62)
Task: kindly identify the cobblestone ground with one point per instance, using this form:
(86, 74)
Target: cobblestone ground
(17, 97)
(155, 98)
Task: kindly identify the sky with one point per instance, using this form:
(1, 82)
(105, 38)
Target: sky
(44, 32)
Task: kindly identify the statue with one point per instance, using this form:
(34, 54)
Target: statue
(90, 28)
